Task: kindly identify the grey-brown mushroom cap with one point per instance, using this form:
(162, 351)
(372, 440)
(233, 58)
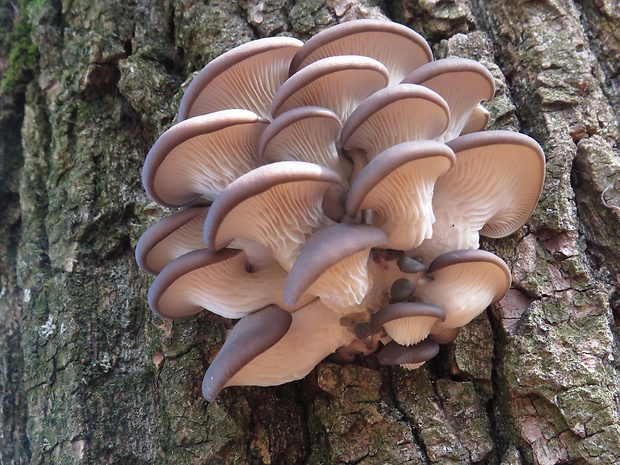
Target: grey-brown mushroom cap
(159, 232)
(395, 354)
(339, 83)
(254, 51)
(251, 336)
(325, 248)
(348, 39)
(530, 175)
(435, 123)
(458, 257)
(256, 182)
(178, 268)
(406, 310)
(388, 161)
(178, 135)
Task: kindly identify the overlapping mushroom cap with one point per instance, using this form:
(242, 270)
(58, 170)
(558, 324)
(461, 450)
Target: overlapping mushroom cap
(333, 196)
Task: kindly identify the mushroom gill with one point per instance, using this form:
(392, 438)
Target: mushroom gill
(333, 197)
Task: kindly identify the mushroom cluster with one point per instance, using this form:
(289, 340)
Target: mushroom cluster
(331, 199)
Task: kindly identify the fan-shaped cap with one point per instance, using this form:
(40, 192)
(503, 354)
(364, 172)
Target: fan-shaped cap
(461, 82)
(246, 77)
(398, 185)
(218, 281)
(277, 205)
(464, 283)
(170, 238)
(477, 121)
(408, 322)
(201, 156)
(399, 113)
(339, 83)
(333, 265)
(400, 49)
(250, 337)
(314, 333)
(410, 357)
(304, 134)
(491, 190)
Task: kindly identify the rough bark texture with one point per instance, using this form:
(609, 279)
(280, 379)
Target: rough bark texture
(89, 375)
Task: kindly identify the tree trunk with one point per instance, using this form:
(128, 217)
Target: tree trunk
(89, 375)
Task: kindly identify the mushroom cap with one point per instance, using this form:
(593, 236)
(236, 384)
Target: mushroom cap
(246, 77)
(201, 156)
(333, 265)
(464, 283)
(315, 332)
(400, 49)
(477, 121)
(398, 185)
(203, 279)
(304, 134)
(400, 113)
(339, 83)
(251, 336)
(462, 83)
(395, 354)
(276, 205)
(408, 322)
(491, 190)
(170, 238)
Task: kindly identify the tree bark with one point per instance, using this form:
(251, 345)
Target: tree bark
(89, 375)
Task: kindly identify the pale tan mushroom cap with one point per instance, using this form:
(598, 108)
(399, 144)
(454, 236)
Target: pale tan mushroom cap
(339, 83)
(400, 113)
(201, 156)
(203, 279)
(170, 238)
(246, 77)
(400, 49)
(464, 283)
(277, 205)
(314, 334)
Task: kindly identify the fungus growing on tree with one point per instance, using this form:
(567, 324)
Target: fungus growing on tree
(333, 194)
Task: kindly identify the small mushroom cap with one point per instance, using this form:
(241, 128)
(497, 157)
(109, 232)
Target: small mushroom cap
(314, 334)
(395, 354)
(332, 265)
(251, 336)
(277, 205)
(477, 121)
(203, 279)
(461, 82)
(339, 83)
(246, 77)
(399, 113)
(400, 49)
(408, 322)
(304, 134)
(201, 156)
(170, 238)
(464, 283)
(398, 185)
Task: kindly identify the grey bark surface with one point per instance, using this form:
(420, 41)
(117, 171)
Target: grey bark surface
(89, 375)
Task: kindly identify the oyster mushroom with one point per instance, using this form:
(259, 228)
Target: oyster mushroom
(246, 77)
(491, 190)
(407, 323)
(398, 186)
(333, 265)
(339, 83)
(408, 357)
(462, 83)
(463, 283)
(203, 279)
(400, 49)
(277, 205)
(201, 156)
(170, 238)
(264, 349)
